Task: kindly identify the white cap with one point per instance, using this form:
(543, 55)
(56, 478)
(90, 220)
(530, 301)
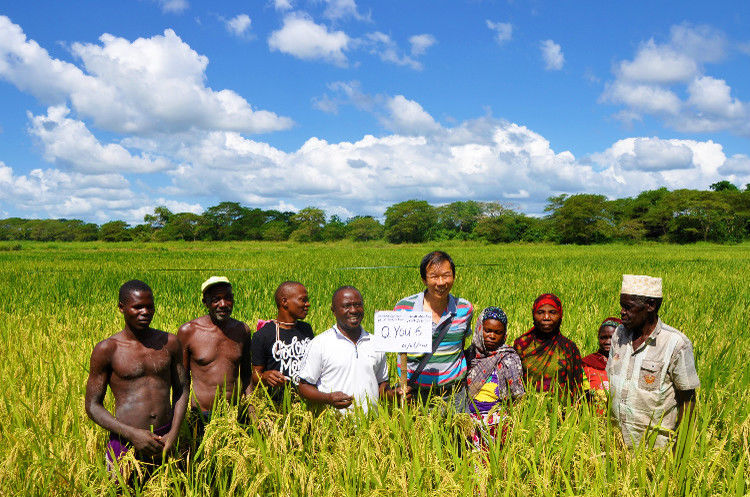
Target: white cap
(642, 285)
(214, 280)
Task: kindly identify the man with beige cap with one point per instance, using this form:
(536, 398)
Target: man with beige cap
(215, 352)
(652, 377)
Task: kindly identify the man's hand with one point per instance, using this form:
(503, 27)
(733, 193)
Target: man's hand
(405, 391)
(146, 442)
(273, 378)
(340, 400)
(169, 441)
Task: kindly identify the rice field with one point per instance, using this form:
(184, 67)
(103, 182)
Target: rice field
(58, 300)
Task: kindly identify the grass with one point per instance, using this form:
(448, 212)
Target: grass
(57, 301)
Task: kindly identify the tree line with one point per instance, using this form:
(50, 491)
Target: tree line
(721, 214)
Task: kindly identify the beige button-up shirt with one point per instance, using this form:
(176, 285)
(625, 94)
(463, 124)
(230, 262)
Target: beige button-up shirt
(642, 382)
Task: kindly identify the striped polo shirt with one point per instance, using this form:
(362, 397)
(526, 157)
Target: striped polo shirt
(448, 363)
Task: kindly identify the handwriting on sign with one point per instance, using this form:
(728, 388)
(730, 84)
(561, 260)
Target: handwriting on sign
(403, 331)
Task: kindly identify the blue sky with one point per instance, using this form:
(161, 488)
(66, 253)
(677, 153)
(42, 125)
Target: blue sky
(110, 109)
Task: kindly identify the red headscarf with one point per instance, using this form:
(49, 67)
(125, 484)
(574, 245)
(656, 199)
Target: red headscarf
(548, 298)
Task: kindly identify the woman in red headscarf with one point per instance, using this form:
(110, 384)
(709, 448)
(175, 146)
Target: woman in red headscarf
(551, 362)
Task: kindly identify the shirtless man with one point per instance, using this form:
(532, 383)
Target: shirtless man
(215, 351)
(143, 368)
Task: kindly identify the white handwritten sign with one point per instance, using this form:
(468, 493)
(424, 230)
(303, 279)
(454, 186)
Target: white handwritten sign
(397, 331)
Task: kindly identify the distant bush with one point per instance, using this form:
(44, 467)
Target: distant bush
(10, 248)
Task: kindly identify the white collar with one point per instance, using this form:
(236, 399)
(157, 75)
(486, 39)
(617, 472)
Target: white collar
(363, 335)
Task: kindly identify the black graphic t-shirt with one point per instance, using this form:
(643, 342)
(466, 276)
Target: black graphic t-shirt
(286, 353)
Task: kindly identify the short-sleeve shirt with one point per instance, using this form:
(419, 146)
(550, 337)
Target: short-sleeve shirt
(336, 364)
(448, 364)
(643, 382)
(284, 354)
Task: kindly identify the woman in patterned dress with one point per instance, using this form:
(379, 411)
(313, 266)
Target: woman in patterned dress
(494, 376)
(551, 361)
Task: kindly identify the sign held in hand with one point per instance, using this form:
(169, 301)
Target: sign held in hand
(408, 332)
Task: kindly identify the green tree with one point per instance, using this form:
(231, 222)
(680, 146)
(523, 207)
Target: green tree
(308, 225)
(84, 232)
(335, 229)
(581, 219)
(459, 217)
(114, 231)
(703, 216)
(181, 226)
(159, 218)
(501, 225)
(631, 230)
(724, 185)
(14, 228)
(653, 210)
(222, 221)
(275, 231)
(364, 228)
(142, 232)
(409, 221)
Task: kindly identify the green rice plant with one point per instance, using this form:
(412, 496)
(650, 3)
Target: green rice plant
(57, 302)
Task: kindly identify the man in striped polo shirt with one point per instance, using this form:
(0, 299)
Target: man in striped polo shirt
(444, 372)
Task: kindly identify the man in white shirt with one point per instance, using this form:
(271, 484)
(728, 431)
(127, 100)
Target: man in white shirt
(342, 368)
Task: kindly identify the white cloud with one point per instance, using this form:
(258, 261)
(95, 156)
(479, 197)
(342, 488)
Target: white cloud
(282, 5)
(173, 6)
(420, 43)
(552, 55)
(712, 96)
(326, 104)
(302, 38)
(345, 93)
(658, 64)
(53, 193)
(69, 142)
(647, 163)
(503, 31)
(653, 154)
(408, 117)
(352, 90)
(702, 43)
(239, 24)
(744, 47)
(651, 82)
(641, 98)
(383, 46)
(738, 164)
(678, 60)
(481, 159)
(342, 9)
(149, 85)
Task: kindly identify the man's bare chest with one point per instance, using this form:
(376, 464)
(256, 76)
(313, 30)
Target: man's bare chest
(207, 347)
(132, 362)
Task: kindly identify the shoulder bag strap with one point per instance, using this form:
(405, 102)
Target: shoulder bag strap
(444, 327)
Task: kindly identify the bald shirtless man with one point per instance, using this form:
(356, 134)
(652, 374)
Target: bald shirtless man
(143, 368)
(215, 351)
